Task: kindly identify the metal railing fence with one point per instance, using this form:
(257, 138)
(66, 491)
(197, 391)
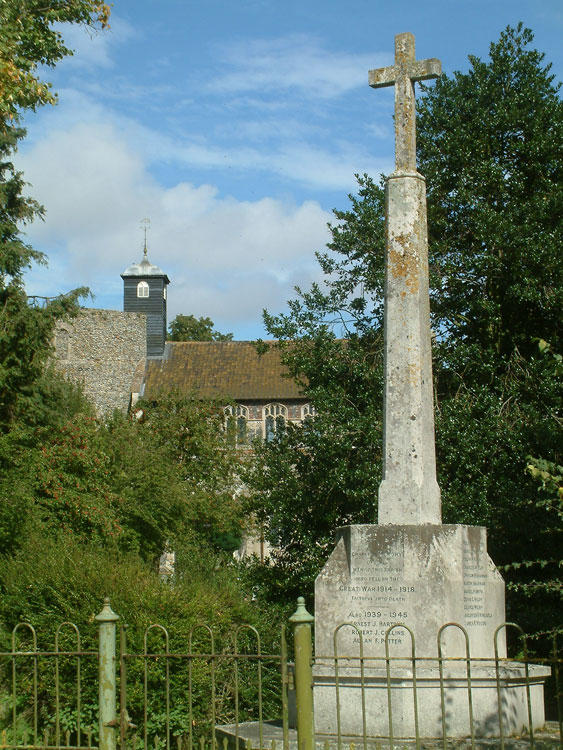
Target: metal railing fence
(156, 696)
(200, 688)
(42, 691)
(377, 680)
(223, 695)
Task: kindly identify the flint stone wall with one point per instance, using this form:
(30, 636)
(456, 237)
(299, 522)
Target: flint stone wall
(103, 350)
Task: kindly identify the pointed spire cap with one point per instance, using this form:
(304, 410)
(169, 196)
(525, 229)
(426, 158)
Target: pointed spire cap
(301, 615)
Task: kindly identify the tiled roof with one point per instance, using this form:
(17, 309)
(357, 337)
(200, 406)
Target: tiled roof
(220, 368)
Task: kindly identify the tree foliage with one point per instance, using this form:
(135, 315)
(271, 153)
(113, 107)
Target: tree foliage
(190, 433)
(490, 144)
(25, 329)
(28, 40)
(129, 484)
(491, 149)
(52, 580)
(190, 328)
(87, 506)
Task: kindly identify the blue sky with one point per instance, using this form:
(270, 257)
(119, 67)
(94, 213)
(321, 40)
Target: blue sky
(236, 128)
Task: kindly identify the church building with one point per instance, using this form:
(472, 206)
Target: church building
(123, 356)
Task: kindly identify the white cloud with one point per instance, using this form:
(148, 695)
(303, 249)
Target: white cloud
(319, 163)
(93, 167)
(93, 48)
(226, 258)
(297, 62)
(330, 168)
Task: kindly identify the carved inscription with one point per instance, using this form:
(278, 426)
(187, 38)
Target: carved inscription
(406, 580)
(474, 581)
(379, 597)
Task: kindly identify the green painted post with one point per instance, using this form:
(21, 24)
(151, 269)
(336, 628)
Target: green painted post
(108, 685)
(302, 621)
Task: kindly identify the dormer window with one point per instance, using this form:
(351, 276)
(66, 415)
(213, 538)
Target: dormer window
(142, 289)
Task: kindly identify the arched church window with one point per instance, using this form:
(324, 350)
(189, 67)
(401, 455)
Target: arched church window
(142, 289)
(307, 411)
(275, 417)
(236, 418)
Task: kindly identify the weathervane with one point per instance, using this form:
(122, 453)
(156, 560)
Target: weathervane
(146, 226)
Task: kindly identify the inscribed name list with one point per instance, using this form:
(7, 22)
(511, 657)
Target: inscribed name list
(415, 576)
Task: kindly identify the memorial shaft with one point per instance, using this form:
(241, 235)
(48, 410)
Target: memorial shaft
(409, 492)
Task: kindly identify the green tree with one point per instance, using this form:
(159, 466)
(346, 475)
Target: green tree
(26, 329)
(490, 144)
(534, 579)
(27, 41)
(326, 473)
(31, 399)
(491, 147)
(190, 328)
(51, 404)
(190, 433)
(135, 484)
(535, 583)
(55, 579)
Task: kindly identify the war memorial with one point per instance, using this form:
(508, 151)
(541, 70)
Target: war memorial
(408, 584)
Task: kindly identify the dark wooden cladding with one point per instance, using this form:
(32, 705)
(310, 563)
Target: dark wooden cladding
(153, 306)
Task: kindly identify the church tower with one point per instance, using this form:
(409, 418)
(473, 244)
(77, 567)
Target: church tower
(144, 291)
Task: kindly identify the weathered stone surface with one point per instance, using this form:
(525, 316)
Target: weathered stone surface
(410, 586)
(102, 349)
(405, 583)
(409, 492)
(402, 75)
(484, 697)
(238, 735)
(421, 577)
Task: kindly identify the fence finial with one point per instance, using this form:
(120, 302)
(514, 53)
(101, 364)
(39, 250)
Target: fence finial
(302, 621)
(301, 614)
(108, 720)
(107, 614)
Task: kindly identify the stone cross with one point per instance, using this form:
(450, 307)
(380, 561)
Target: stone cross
(403, 74)
(409, 492)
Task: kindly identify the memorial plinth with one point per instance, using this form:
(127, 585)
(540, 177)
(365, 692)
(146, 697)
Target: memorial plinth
(416, 578)
(486, 687)
(419, 576)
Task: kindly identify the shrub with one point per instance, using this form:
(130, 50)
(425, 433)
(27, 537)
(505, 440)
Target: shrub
(52, 580)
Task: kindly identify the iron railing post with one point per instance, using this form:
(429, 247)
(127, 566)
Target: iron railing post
(107, 676)
(303, 644)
